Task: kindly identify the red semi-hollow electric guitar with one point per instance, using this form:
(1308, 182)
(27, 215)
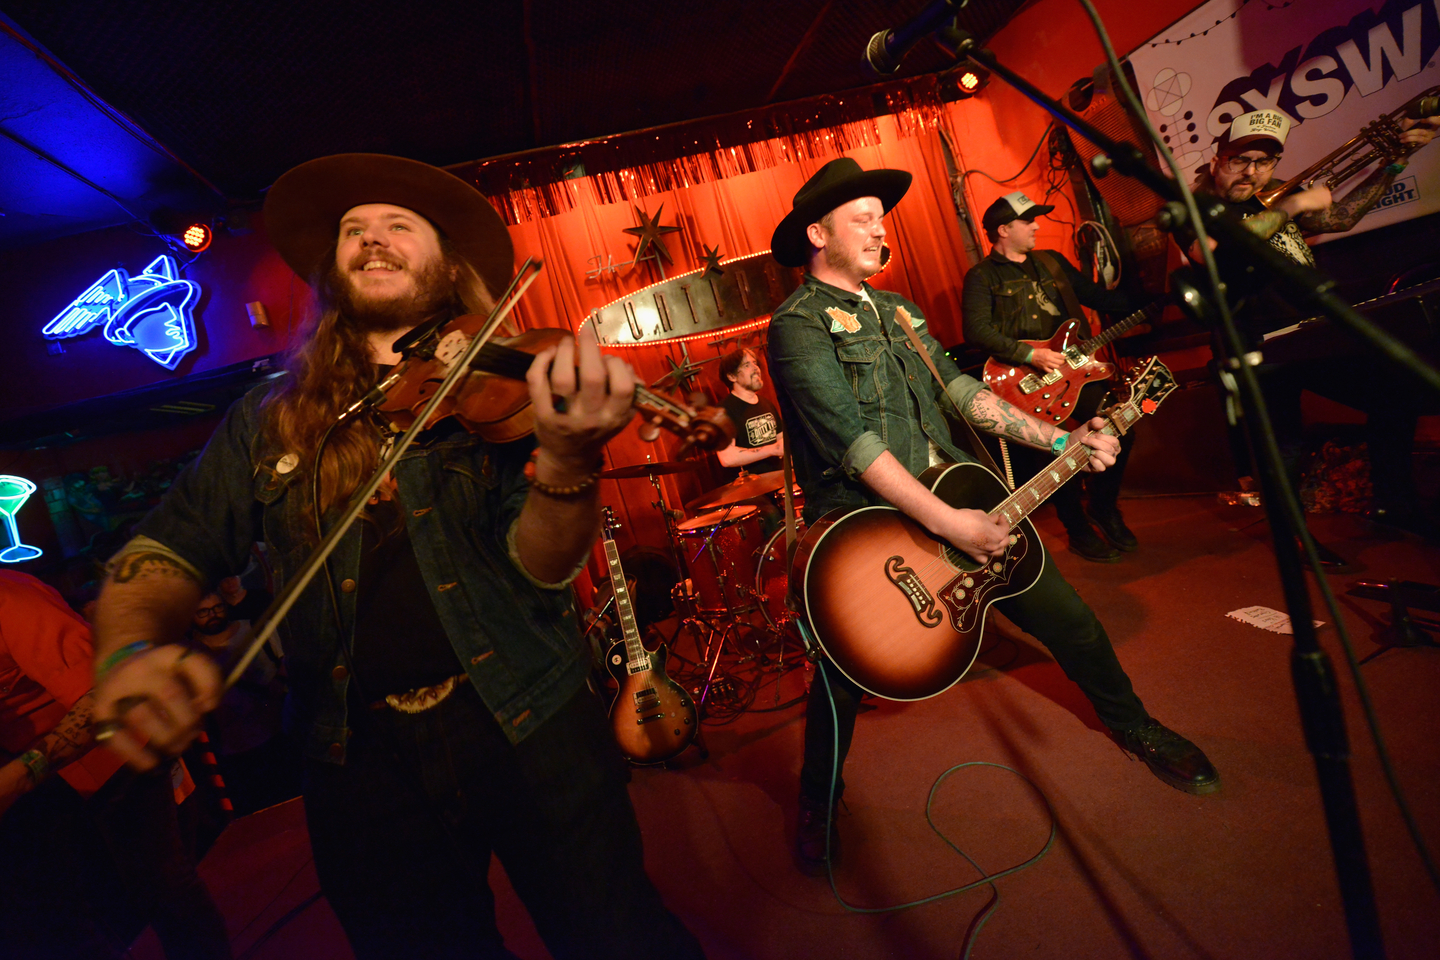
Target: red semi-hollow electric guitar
(901, 612)
(1051, 396)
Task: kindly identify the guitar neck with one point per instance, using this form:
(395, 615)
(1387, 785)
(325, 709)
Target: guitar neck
(634, 649)
(1061, 470)
(1111, 332)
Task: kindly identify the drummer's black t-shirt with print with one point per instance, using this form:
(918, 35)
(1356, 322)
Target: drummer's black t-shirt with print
(756, 425)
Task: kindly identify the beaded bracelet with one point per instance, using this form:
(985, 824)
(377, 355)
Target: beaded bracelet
(120, 656)
(36, 763)
(1058, 444)
(568, 491)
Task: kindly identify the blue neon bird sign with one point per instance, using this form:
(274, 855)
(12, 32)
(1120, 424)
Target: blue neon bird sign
(154, 312)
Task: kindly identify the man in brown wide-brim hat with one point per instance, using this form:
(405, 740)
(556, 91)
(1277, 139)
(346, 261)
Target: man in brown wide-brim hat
(438, 680)
(866, 417)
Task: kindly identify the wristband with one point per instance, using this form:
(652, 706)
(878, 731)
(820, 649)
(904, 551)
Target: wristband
(36, 763)
(1058, 444)
(566, 492)
(120, 656)
(1396, 168)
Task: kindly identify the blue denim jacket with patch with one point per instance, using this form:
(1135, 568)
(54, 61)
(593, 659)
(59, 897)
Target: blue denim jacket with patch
(515, 636)
(851, 386)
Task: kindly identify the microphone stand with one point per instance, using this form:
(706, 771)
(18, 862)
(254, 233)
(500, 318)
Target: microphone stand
(1319, 702)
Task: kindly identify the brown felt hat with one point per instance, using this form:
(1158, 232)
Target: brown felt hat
(835, 184)
(304, 207)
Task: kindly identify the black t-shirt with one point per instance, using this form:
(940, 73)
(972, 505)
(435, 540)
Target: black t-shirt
(756, 425)
(400, 643)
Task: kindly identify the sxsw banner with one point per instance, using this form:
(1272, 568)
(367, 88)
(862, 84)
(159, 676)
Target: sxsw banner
(1331, 65)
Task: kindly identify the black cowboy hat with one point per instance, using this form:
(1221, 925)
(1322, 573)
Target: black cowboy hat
(836, 183)
(304, 207)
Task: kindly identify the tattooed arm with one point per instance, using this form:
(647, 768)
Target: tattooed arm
(69, 741)
(1344, 213)
(989, 413)
(150, 595)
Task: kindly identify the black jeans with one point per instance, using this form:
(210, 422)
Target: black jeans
(403, 834)
(1101, 489)
(1053, 613)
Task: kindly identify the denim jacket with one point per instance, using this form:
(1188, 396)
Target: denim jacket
(515, 636)
(1003, 304)
(851, 387)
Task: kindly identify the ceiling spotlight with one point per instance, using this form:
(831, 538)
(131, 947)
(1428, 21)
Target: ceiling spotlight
(197, 237)
(969, 81)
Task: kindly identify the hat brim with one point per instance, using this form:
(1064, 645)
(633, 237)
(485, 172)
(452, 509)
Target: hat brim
(789, 244)
(1254, 140)
(304, 207)
(1031, 212)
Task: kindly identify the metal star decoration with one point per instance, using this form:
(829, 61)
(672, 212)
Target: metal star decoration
(712, 260)
(651, 233)
(683, 373)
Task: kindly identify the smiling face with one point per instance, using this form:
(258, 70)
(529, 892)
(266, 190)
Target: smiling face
(383, 251)
(849, 244)
(747, 376)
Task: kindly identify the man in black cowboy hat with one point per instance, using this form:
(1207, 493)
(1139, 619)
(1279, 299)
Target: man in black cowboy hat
(865, 420)
(1019, 293)
(438, 682)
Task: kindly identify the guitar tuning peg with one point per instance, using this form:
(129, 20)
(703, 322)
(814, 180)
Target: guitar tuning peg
(650, 431)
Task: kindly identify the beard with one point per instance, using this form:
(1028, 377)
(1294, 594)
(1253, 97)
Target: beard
(434, 290)
(844, 262)
(212, 627)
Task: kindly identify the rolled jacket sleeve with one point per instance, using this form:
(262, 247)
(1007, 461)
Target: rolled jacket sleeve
(802, 356)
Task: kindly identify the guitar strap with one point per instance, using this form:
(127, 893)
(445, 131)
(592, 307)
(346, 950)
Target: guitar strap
(1062, 280)
(963, 434)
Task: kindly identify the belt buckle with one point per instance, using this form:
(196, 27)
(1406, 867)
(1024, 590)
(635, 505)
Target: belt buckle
(423, 698)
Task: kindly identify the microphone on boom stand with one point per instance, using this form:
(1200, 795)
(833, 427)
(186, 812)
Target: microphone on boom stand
(888, 47)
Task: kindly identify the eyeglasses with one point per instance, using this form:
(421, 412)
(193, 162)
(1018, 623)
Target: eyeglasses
(1240, 164)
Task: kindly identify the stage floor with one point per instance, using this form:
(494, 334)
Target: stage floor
(1137, 869)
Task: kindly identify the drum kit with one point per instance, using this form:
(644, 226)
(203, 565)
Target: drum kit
(732, 569)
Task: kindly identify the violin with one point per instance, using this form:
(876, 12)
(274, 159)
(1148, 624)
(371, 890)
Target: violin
(494, 400)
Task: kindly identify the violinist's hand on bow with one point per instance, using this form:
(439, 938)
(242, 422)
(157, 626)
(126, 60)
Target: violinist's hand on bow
(153, 705)
(1104, 448)
(582, 399)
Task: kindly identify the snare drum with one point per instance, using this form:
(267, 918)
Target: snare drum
(721, 548)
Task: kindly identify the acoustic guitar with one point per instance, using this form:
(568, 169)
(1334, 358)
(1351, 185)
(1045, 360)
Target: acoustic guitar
(899, 611)
(653, 717)
(1051, 396)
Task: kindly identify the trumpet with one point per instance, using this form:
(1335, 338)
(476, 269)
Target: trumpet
(1381, 137)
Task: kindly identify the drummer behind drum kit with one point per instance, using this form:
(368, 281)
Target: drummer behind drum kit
(732, 578)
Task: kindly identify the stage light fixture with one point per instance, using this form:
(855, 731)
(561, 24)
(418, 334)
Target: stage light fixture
(962, 84)
(197, 237)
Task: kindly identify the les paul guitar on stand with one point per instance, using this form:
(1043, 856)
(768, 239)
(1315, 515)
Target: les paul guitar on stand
(653, 717)
(1051, 396)
(901, 612)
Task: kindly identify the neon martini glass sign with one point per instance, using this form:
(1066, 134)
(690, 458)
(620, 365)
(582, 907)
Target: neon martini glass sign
(14, 491)
(153, 312)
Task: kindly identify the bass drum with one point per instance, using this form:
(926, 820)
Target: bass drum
(655, 579)
(772, 580)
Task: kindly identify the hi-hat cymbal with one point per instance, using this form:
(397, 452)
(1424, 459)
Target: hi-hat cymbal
(657, 469)
(739, 490)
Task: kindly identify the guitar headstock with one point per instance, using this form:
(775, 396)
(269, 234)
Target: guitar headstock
(608, 523)
(1140, 393)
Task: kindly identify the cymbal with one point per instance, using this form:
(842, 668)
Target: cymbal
(740, 490)
(657, 469)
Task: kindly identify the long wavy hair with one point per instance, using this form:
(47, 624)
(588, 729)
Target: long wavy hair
(330, 367)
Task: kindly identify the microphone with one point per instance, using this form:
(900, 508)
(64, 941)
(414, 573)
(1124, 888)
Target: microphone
(888, 47)
(1422, 107)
